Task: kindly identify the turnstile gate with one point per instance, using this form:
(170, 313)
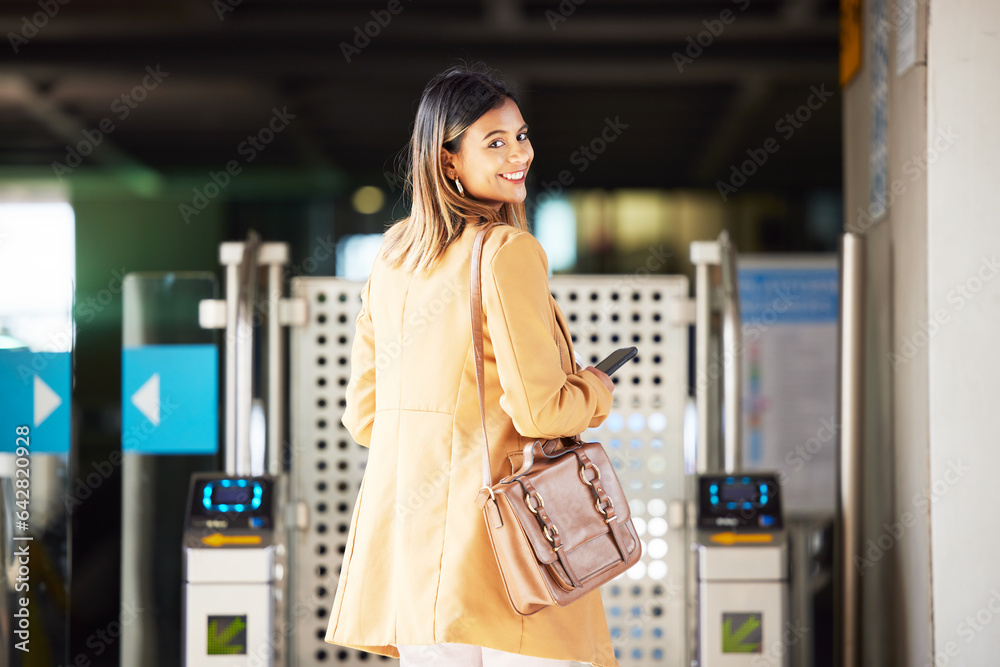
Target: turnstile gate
(234, 564)
(742, 572)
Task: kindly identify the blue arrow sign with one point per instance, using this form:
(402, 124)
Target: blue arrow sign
(35, 392)
(170, 399)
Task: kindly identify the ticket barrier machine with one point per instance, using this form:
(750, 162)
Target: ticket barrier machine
(742, 571)
(235, 536)
(234, 565)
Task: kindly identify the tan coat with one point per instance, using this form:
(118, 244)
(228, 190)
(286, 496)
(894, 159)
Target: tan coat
(418, 567)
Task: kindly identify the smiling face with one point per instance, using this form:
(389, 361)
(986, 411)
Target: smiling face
(494, 157)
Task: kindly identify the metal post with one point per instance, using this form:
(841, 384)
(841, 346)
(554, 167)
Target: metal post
(275, 257)
(703, 336)
(243, 342)
(231, 256)
(704, 254)
(850, 392)
(732, 356)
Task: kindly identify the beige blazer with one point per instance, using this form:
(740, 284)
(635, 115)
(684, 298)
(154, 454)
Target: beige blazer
(418, 567)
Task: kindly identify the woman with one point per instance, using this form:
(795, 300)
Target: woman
(419, 578)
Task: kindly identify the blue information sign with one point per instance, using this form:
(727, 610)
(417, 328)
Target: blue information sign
(770, 295)
(170, 399)
(35, 392)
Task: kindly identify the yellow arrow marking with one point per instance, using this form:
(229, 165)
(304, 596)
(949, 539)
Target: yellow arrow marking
(733, 538)
(218, 539)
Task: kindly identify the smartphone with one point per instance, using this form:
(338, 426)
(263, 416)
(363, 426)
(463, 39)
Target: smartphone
(616, 360)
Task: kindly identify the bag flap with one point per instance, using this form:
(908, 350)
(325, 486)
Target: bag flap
(568, 501)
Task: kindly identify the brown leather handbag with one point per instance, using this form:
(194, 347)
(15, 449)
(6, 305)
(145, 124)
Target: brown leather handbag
(559, 526)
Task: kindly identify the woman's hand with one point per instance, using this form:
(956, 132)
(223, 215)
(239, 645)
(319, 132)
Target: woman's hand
(605, 380)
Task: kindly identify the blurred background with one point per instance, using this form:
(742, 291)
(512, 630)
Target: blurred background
(143, 134)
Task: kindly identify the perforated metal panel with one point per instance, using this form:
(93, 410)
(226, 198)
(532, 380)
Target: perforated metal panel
(647, 606)
(327, 466)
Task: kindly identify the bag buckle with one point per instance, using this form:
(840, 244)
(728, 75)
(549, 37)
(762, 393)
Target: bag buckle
(611, 505)
(583, 473)
(534, 508)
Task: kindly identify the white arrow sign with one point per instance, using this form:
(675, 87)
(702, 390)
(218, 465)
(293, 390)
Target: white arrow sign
(147, 399)
(46, 401)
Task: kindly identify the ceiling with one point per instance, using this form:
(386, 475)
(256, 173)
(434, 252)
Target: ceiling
(225, 65)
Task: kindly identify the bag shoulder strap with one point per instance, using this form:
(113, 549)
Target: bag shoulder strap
(476, 301)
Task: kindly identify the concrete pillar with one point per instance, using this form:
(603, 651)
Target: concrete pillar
(932, 462)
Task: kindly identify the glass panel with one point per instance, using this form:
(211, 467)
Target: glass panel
(160, 309)
(37, 272)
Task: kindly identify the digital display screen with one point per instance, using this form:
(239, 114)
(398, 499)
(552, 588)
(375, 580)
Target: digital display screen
(739, 492)
(232, 495)
(741, 501)
(223, 502)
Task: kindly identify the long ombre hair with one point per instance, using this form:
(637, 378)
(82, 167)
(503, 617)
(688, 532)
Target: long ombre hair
(451, 102)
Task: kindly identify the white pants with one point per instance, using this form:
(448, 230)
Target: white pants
(464, 655)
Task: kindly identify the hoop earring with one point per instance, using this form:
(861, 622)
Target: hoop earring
(458, 184)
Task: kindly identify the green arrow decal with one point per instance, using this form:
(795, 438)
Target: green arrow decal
(733, 642)
(218, 644)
